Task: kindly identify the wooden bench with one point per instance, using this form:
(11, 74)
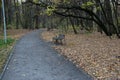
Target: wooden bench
(59, 39)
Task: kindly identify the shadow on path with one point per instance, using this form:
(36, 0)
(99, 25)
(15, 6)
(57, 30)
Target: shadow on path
(33, 59)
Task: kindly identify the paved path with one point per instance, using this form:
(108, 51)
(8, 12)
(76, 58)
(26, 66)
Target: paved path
(33, 59)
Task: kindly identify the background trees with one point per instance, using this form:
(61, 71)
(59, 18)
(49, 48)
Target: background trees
(89, 15)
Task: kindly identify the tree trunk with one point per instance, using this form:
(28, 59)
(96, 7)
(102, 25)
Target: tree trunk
(74, 29)
(36, 17)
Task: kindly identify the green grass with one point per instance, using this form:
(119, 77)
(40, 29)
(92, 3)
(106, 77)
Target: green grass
(9, 42)
(5, 49)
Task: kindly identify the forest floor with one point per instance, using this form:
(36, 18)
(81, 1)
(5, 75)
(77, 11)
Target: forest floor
(5, 49)
(96, 54)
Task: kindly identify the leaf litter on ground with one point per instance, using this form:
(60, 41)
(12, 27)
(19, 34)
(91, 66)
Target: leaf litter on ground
(96, 54)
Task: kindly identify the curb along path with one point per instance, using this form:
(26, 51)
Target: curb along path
(33, 59)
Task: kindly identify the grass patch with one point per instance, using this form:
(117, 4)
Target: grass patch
(3, 44)
(5, 48)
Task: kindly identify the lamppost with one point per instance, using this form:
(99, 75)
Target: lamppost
(5, 33)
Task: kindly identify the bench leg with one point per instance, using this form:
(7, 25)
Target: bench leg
(56, 41)
(60, 42)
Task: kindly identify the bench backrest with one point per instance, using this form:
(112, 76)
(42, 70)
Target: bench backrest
(61, 36)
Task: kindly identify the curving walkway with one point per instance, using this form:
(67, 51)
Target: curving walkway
(33, 59)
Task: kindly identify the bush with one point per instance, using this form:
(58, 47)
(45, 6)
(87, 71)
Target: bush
(11, 26)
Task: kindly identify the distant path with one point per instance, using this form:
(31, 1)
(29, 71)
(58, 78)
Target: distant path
(33, 59)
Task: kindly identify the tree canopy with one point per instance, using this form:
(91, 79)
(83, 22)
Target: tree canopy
(102, 15)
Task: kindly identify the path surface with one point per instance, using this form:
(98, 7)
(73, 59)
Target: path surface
(33, 59)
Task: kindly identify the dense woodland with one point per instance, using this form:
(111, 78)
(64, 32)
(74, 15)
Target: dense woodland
(89, 15)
